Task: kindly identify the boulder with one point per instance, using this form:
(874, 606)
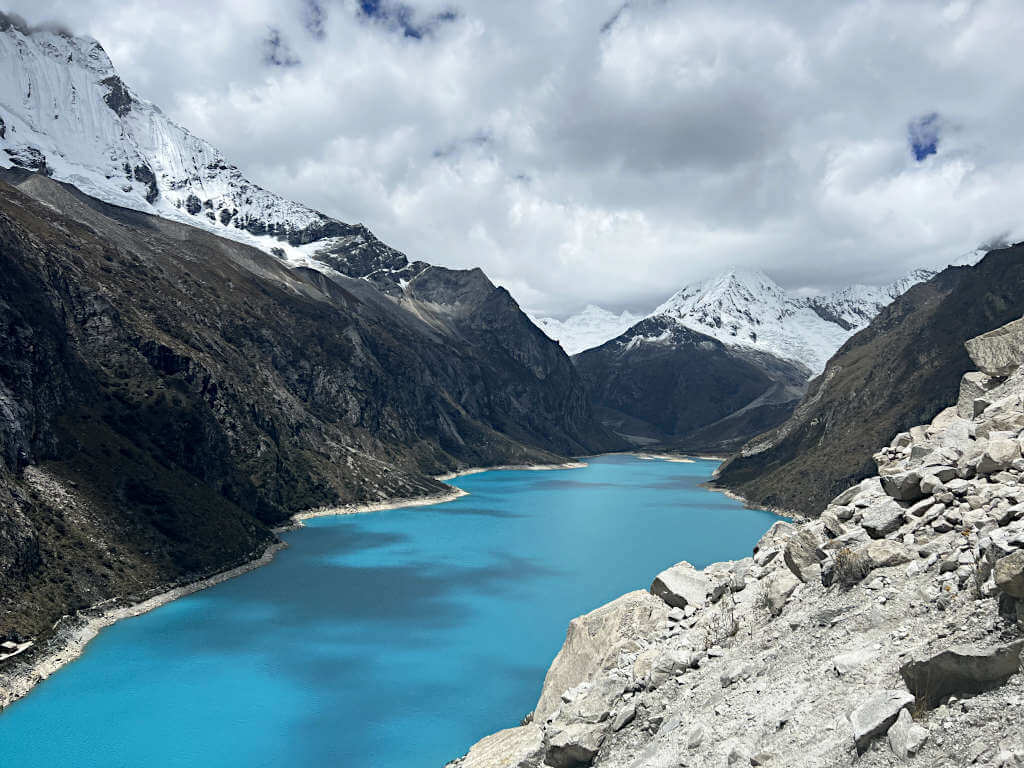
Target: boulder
(875, 716)
(801, 555)
(833, 525)
(973, 385)
(883, 518)
(574, 746)
(847, 662)
(672, 663)
(883, 553)
(595, 641)
(681, 585)
(1009, 574)
(775, 537)
(998, 352)
(906, 737)
(998, 455)
(624, 717)
(903, 486)
(780, 586)
(960, 670)
(513, 746)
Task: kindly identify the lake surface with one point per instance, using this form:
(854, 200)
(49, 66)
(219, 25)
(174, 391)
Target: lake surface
(387, 640)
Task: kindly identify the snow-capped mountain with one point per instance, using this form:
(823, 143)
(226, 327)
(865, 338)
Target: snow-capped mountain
(746, 308)
(589, 328)
(65, 112)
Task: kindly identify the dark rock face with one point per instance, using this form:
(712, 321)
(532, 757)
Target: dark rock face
(166, 395)
(117, 98)
(899, 371)
(29, 158)
(662, 384)
(145, 174)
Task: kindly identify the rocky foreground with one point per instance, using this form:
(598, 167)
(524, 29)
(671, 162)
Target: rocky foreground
(889, 629)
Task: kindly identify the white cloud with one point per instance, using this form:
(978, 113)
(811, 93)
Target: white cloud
(580, 166)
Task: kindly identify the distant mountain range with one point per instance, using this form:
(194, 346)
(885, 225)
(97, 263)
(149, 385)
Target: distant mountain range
(589, 328)
(744, 308)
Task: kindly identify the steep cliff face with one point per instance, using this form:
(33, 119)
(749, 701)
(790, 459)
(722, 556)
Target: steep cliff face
(893, 374)
(166, 395)
(662, 384)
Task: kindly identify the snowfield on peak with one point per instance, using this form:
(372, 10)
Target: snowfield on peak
(746, 308)
(65, 112)
(589, 328)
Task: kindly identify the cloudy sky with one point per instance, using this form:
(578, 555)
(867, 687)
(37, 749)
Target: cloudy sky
(595, 151)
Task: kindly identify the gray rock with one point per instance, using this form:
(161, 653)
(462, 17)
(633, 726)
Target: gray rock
(520, 746)
(972, 386)
(903, 486)
(695, 737)
(739, 671)
(998, 455)
(780, 586)
(847, 662)
(905, 736)
(883, 518)
(594, 641)
(574, 746)
(681, 585)
(833, 526)
(883, 553)
(624, 717)
(801, 555)
(960, 670)
(671, 663)
(1009, 574)
(998, 352)
(876, 714)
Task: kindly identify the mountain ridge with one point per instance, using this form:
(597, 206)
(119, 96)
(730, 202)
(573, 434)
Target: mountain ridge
(65, 112)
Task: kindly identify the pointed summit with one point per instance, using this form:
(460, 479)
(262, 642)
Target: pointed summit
(746, 308)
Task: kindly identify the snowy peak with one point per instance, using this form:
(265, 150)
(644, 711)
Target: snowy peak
(589, 328)
(65, 112)
(746, 308)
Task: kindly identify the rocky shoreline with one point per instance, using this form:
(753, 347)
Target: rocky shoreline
(889, 629)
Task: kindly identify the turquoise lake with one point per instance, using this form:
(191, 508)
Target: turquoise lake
(394, 639)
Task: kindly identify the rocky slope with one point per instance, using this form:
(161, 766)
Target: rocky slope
(889, 630)
(662, 384)
(891, 375)
(167, 395)
(65, 112)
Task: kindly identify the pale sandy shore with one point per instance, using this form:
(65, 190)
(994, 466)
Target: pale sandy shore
(529, 467)
(70, 641)
(376, 506)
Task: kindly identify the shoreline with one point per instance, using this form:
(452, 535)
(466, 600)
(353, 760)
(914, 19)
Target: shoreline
(296, 520)
(788, 514)
(18, 679)
(511, 467)
(70, 643)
